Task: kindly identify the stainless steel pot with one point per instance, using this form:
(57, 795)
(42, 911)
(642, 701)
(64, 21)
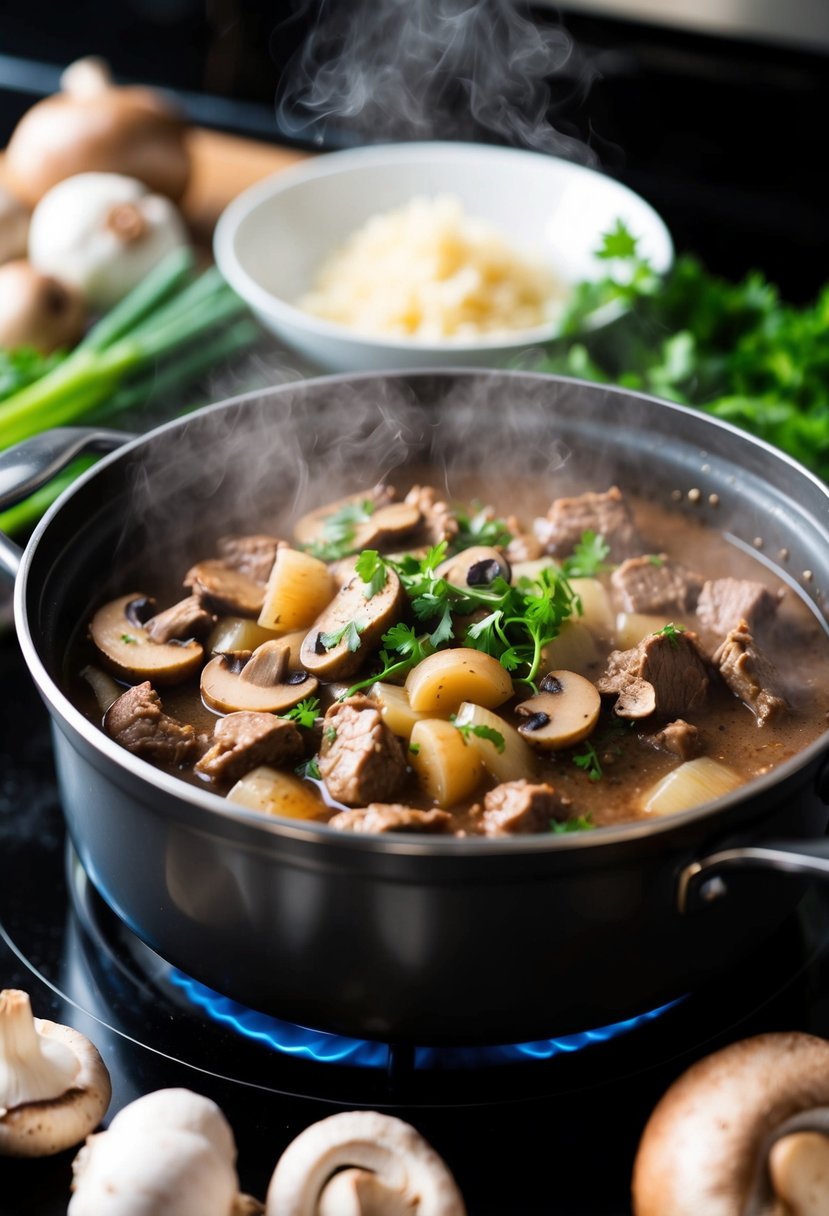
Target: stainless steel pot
(409, 939)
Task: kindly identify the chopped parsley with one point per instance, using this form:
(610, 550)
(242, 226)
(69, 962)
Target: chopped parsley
(349, 633)
(580, 823)
(656, 559)
(310, 768)
(588, 760)
(338, 536)
(481, 732)
(588, 557)
(305, 713)
(672, 632)
(482, 528)
(329, 734)
(414, 748)
(128, 639)
(373, 571)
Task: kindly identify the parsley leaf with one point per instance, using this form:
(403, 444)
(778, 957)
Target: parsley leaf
(481, 732)
(338, 535)
(672, 632)
(350, 633)
(618, 243)
(128, 639)
(310, 768)
(373, 571)
(588, 557)
(414, 748)
(579, 823)
(482, 528)
(305, 713)
(588, 760)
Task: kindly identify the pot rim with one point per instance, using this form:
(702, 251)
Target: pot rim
(311, 832)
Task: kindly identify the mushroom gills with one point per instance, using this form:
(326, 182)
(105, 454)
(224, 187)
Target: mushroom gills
(260, 681)
(129, 652)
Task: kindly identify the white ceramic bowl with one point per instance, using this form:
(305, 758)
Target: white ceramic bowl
(272, 239)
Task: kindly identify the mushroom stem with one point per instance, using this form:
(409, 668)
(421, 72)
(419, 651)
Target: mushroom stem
(54, 1087)
(32, 1068)
(408, 1175)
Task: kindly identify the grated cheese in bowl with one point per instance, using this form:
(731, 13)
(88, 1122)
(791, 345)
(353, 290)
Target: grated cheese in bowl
(427, 272)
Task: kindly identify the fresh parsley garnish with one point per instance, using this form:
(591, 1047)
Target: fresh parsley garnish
(128, 639)
(373, 571)
(329, 734)
(310, 768)
(588, 557)
(579, 823)
(338, 536)
(588, 760)
(656, 559)
(481, 732)
(349, 633)
(414, 748)
(403, 649)
(482, 528)
(672, 632)
(305, 713)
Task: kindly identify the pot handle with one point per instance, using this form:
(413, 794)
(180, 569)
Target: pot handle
(704, 882)
(29, 465)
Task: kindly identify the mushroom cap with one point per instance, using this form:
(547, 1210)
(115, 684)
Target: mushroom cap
(476, 566)
(129, 130)
(129, 652)
(262, 684)
(373, 617)
(563, 713)
(48, 1126)
(401, 1159)
(703, 1146)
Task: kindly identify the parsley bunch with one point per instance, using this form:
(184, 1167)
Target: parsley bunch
(734, 350)
(519, 622)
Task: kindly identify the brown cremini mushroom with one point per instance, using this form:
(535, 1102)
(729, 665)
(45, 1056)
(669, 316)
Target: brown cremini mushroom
(390, 1164)
(351, 626)
(94, 126)
(337, 522)
(564, 711)
(477, 566)
(54, 1087)
(224, 589)
(260, 682)
(726, 1135)
(128, 650)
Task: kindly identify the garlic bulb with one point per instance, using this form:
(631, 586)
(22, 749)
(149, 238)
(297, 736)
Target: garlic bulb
(102, 233)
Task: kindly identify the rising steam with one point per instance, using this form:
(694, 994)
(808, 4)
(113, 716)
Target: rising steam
(390, 70)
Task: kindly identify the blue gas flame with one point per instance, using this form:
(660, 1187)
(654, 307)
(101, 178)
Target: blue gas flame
(317, 1045)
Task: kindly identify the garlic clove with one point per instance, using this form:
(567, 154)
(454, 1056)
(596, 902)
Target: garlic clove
(54, 1087)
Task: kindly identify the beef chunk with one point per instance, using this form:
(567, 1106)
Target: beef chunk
(518, 807)
(391, 817)
(137, 721)
(750, 675)
(252, 555)
(648, 584)
(679, 738)
(186, 619)
(724, 602)
(244, 740)
(605, 514)
(665, 674)
(439, 522)
(361, 761)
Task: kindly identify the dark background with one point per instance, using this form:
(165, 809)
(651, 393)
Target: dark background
(726, 138)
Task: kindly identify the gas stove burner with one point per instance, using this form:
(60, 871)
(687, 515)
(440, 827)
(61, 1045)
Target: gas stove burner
(327, 1048)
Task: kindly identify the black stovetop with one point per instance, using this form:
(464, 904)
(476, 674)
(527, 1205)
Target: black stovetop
(564, 1122)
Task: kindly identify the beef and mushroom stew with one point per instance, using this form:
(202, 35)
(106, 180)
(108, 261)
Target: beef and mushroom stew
(403, 664)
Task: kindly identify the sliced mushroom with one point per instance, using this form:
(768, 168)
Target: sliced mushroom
(315, 527)
(129, 651)
(706, 1146)
(260, 681)
(225, 589)
(187, 619)
(477, 566)
(564, 711)
(334, 659)
(54, 1087)
(408, 1175)
(170, 1152)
